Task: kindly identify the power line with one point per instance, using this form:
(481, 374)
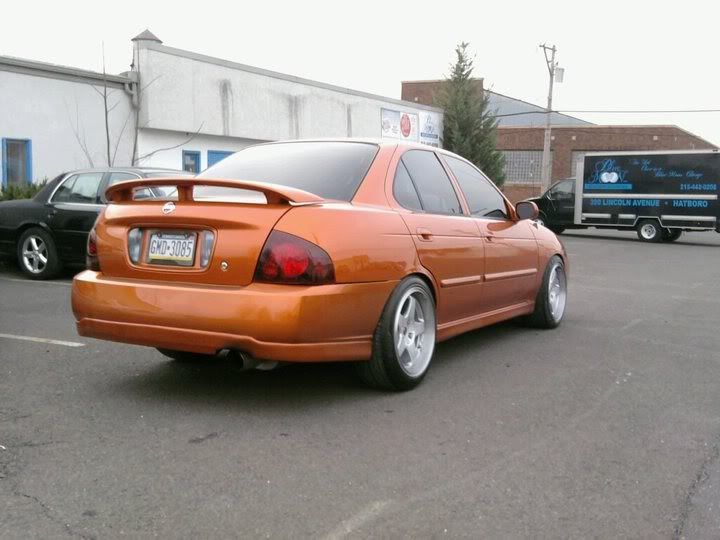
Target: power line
(607, 111)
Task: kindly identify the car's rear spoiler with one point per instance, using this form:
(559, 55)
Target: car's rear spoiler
(275, 194)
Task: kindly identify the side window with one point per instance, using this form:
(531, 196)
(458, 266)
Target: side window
(482, 196)
(63, 192)
(404, 189)
(80, 188)
(116, 177)
(563, 190)
(434, 188)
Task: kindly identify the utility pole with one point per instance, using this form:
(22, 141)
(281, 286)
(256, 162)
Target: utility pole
(549, 53)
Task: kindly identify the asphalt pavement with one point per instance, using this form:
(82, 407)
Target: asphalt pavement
(605, 427)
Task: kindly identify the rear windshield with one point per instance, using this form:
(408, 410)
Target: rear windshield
(331, 170)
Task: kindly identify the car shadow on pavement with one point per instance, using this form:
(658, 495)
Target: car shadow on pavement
(222, 382)
(680, 242)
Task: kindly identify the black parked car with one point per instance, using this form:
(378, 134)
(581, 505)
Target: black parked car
(50, 230)
(557, 206)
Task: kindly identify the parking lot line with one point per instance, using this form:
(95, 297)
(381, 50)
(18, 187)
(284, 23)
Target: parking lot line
(43, 340)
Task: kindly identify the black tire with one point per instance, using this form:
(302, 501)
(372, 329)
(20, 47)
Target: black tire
(649, 230)
(186, 357)
(33, 245)
(385, 369)
(557, 229)
(670, 235)
(543, 316)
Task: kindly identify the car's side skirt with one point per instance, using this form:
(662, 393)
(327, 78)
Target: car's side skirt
(454, 328)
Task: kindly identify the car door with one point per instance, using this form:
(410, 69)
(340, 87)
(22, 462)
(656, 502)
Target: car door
(562, 199)
(511, 251)
(446, 238)
(72, 211)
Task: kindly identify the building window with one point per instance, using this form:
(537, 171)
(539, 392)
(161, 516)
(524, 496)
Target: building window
(523, 166)
(191, 161)
(16, 162)
(217, 155)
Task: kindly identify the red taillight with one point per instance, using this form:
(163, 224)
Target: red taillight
(91, 260)
(289, 259)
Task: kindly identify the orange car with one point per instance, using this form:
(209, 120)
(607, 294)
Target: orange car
(318, 251)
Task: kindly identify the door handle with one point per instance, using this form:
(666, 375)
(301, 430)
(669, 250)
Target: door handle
(424, 234)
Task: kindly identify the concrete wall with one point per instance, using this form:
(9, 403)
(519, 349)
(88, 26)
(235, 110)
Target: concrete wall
(167, 147)
(186, 92)
(54, 112)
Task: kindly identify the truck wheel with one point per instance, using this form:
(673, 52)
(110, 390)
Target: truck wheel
(649, 230)
(670, 235)
(404, 339)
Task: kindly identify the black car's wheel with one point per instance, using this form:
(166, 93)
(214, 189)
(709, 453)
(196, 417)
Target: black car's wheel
(404, 340)
(670, 235)
(186, 357)
(36, 254)
(556, 229)
(649, 230)
(552, 296)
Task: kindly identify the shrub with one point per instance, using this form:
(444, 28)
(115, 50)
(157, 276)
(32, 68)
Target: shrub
(21, 192)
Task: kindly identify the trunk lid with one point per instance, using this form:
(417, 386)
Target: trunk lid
(171, 238)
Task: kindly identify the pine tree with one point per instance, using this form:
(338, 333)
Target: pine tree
(469, 128)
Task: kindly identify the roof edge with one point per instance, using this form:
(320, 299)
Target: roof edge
(56, 69)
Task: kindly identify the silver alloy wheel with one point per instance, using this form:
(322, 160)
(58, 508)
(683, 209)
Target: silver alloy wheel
(540, 221)
(648, 231)
(34, 254)
(557, 292)
(414, 331)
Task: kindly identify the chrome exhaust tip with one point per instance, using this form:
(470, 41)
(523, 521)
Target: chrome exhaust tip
(247, 362)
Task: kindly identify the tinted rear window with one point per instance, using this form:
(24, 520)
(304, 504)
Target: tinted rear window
(332, 170)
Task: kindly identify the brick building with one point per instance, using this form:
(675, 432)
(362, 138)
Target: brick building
(520, 138)
(522, 147)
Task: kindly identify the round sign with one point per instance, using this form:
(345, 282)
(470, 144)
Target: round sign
(405, 125)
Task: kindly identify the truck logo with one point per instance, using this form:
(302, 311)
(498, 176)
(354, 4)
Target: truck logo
(607, 174)
(609, 177)
(168, 207)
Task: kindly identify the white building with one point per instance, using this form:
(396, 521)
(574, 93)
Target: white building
(178, 109)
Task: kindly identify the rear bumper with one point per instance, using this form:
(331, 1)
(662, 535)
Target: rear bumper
(272, 322)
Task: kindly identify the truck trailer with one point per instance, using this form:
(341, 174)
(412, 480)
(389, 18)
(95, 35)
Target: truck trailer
(658, 194)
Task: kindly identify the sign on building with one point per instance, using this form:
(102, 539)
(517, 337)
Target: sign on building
(430, 128)
(400, 125)
(407, 126)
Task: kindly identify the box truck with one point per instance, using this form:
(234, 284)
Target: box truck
(658, 194)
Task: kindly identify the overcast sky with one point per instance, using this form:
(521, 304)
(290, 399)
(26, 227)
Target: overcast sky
(631, 54)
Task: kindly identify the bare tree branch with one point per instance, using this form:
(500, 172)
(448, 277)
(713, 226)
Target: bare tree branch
(79, 135)
(145, 156)
(149, 83)
(105, 103)
(113, 106)
(119, 137)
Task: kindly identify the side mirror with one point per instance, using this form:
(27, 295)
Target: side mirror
(526, 210)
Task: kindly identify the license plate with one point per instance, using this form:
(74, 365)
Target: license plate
(172, 248)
